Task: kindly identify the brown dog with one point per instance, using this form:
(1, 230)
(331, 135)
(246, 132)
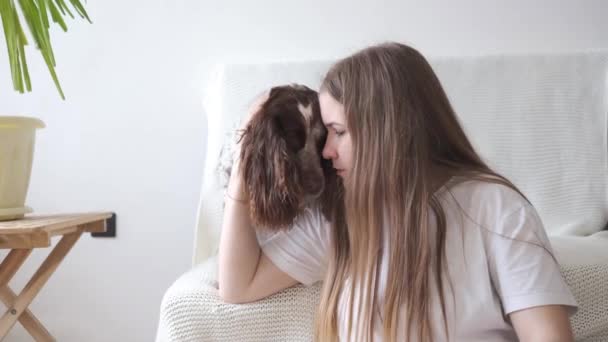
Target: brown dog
(281, 160)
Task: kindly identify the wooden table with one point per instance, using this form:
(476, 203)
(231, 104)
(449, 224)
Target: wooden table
(23, 235)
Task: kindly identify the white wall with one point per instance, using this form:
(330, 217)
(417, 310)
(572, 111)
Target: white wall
(131, 135)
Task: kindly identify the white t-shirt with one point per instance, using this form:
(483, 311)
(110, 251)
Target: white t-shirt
(493, 257)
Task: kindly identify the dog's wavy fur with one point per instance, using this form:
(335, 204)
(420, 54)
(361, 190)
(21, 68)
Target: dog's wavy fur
(281, 161)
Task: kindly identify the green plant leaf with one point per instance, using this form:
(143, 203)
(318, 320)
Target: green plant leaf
(80, 10)
(43, 12)
(9, 23)
(36, 16)
(63, 8)
(56, 15)
(26, 74)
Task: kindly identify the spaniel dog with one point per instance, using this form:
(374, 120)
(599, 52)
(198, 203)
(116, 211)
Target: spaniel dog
(281, 161)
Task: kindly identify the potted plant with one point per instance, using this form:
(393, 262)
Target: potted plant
(17, 134)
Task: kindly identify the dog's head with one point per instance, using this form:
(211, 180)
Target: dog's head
(281, 160)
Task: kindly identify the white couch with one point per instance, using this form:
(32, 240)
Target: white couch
(541, 120)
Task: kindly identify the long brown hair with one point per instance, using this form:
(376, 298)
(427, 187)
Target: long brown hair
(407, 141)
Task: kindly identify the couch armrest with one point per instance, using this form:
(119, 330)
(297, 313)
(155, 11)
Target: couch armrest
(584, 265)
(589, 285)
(192, 310)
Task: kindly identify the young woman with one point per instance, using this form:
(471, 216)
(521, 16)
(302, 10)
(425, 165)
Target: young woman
(426, 242)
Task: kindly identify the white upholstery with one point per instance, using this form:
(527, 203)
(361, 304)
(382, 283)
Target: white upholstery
(192, 310)
(584, 264)
(541, 120)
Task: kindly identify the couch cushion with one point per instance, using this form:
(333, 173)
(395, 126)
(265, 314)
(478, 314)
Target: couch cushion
(541, 121)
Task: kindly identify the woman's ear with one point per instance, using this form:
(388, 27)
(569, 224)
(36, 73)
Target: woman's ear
(270, 169)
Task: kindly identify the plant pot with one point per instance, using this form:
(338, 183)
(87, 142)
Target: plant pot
(17, 139)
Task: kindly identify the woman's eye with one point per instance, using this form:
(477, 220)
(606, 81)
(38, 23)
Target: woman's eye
(340, 133)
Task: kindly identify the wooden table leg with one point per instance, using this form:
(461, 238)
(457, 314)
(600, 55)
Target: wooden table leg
(27, 319)
(39, 279)
(11, 263)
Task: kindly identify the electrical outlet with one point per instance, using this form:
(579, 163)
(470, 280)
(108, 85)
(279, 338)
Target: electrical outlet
(110, 228)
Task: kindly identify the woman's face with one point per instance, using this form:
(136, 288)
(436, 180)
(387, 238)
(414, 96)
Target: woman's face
(338, 146)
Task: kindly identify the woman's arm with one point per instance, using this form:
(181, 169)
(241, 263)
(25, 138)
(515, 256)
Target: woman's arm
(245, 273)
(549, 323)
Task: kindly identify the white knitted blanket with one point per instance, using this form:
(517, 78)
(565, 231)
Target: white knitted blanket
(191, 309)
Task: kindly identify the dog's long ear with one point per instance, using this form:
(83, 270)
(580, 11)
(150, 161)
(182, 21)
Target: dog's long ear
(269, 163)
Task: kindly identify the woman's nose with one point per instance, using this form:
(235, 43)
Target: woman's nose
(328, 151)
